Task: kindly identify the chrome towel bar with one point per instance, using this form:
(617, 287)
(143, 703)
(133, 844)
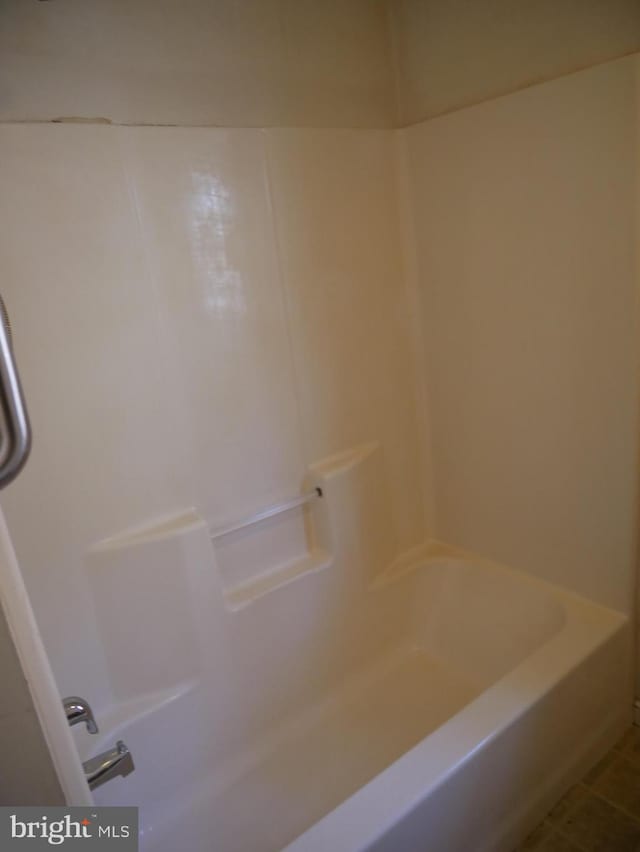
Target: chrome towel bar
(15, 433)
(267, 513)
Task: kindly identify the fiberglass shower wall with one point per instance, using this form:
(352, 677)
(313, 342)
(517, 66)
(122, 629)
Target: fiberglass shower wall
(209, 310)
(525, 221)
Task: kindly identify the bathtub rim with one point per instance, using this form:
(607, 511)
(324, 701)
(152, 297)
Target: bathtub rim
(365, 816)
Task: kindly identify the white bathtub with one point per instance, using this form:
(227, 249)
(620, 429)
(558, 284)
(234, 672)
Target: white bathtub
(484, 695)
(348, 699)
(536, 685)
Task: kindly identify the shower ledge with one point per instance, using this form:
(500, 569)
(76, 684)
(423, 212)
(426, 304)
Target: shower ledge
(116, 718)
(245, 593)
(406, 562)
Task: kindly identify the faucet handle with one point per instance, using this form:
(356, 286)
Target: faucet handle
(78, 710)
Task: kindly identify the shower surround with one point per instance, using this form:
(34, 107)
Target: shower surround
(434, 326)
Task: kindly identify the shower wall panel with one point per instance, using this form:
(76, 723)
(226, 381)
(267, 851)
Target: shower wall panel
(199, 315)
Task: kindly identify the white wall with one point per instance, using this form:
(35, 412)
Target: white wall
(27, 776)
(524, 212)
(228, 62)
(292, 62)
(198, 315)
(453, 54)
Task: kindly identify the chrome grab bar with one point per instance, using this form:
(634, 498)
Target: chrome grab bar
(15, 433)
(266, 513)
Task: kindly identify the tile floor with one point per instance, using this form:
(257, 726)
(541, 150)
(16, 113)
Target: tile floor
(602, 812)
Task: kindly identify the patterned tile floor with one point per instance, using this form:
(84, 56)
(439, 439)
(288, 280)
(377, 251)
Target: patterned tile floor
(602, 812)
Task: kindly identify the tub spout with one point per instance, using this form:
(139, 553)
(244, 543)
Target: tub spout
(109, 764)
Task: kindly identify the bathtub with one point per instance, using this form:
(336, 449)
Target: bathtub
(296, 684)
(530, 687)
(458, 702)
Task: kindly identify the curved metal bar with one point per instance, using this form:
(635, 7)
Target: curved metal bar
(15, 442)
(79, 710)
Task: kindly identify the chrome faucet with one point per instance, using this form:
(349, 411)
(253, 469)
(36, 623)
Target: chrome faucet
(109, 764)
(78, 710)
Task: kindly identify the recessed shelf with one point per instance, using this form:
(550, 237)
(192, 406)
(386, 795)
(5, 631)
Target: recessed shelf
(249, 591)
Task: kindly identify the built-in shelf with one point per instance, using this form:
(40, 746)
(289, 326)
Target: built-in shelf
(251, 590)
